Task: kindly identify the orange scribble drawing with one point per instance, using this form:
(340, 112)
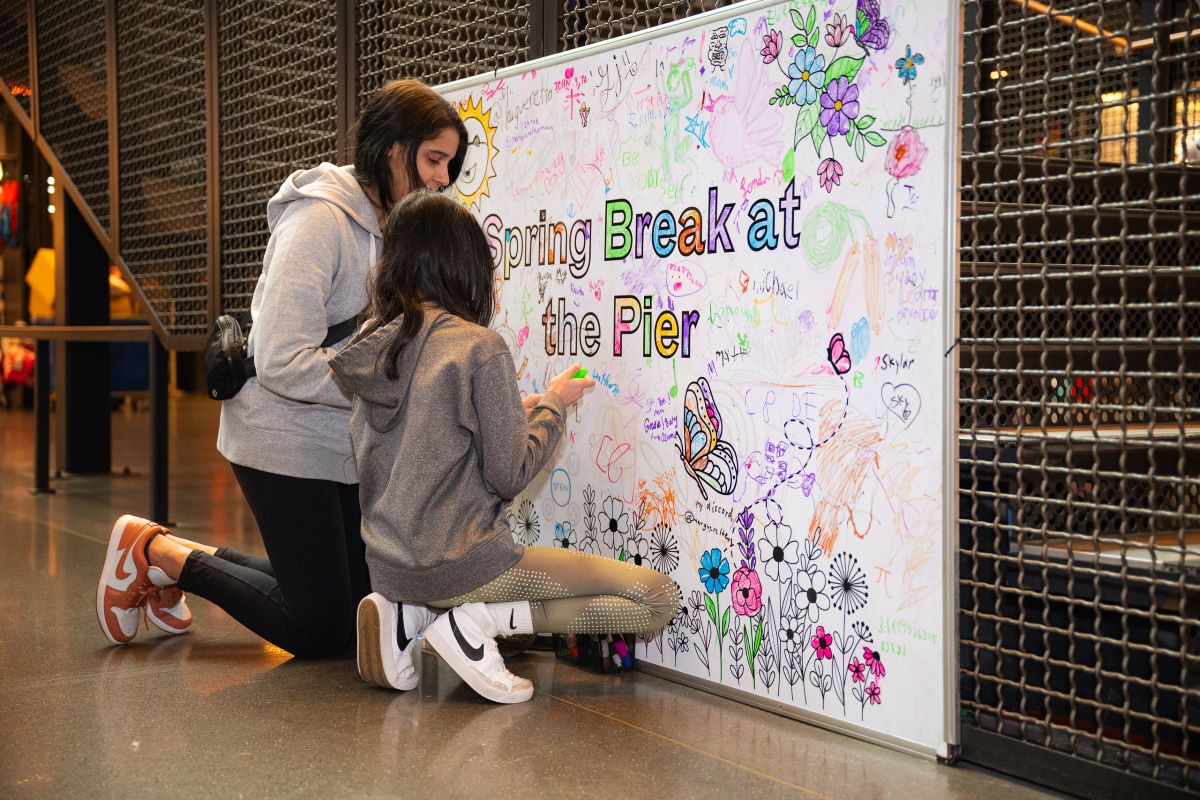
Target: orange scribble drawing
(864, 255)
(842, 466)
(658, 500)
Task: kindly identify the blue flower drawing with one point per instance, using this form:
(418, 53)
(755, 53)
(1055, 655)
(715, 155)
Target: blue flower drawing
(714, 571)
(807, 73)
(908, 65)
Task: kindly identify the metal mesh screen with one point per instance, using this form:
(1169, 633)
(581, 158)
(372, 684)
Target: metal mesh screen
(73, 96)
(437, 41)
(14, 50)
(1080, 381)
(278, 112)
(160, 75)
(583, 22)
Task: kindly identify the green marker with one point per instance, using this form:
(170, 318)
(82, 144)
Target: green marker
(581, 374)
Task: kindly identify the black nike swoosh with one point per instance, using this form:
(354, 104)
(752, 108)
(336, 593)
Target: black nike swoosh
(401, 638)
(474, 653)
(512, 615)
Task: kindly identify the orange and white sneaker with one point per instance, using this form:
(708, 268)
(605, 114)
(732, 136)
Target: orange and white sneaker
(168, 611)
(127, 579)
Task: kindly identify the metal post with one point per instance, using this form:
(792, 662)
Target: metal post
(41, 402)
(158, 432)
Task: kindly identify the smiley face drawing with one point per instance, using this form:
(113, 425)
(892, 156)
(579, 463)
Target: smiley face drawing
(478, 165)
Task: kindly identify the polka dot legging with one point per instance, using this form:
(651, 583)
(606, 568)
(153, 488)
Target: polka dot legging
(572, 592)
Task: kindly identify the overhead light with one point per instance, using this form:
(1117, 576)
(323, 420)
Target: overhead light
(50, 181)
(998, 74)
(49, 190)
(51, 208)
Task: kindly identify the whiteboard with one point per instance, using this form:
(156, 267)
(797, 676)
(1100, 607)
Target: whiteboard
(742, 224)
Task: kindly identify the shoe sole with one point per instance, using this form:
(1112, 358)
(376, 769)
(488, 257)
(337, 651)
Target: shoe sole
(452, 655)
(165, 627)
(110, 565)
(371, 621)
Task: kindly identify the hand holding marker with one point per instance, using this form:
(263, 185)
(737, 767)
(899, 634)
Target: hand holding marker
(571, 384)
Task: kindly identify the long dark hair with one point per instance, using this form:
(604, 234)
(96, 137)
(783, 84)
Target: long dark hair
(408, 112)
(433, 251)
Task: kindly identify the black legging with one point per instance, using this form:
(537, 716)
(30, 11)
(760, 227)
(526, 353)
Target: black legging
(303, 596)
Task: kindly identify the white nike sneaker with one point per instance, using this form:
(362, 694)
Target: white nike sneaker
(387, 640)
(465, 636)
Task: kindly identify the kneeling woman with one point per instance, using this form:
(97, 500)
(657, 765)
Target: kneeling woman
(443, 442)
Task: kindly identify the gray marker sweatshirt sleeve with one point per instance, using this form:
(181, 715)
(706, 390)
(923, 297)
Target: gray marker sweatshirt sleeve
(513, 446)
(291, 323)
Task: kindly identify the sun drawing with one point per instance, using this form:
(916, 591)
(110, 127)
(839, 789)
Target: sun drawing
(478, 166)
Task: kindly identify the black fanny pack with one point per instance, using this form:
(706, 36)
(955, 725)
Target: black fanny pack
(226, 364)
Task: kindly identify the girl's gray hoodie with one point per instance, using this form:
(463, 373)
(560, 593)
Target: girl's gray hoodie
(294, 419)
(442, 449)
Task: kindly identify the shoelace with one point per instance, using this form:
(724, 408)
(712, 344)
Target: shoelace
(491, 652)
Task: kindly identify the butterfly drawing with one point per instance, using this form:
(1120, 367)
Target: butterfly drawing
(839, 357)
(707, 457)
(871, 30)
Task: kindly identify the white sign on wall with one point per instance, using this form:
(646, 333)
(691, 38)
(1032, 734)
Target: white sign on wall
(742, 225)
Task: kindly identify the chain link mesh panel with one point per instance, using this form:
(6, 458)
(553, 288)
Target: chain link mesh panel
(1080, 381)
(73, 96)
(584, 21)
(160, 77)
(14, 50)
(437, 41)
(277, 83)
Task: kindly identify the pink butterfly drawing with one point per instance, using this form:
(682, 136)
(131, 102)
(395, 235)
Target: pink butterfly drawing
(839, 359)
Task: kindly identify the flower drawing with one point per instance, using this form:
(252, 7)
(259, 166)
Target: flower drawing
(770, 49)
(811, 598)
(807, 73)
(848, 584)
(789, 633)
(829, 174)
(905, 153)
(873, 693)
(664, 552)
(839, 106)
(638, 550)
(820, 81)
(564, 535)
(614, 523)
(747, 592)
(907, 66)
(823, 643)
(837, 32)
(527, 526)
(714, 571)
(778, 551)
(874, 662)
(589, 545)
(857, 669)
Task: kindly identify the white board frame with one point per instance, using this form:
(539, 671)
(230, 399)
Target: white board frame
(950, 749)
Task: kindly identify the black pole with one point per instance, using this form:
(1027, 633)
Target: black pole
(41, 402)
(158, 432)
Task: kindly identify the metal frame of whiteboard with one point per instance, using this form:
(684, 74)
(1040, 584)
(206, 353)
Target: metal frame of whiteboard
(952, 143)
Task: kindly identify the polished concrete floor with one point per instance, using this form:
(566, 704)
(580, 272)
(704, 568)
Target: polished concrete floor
(219, 713)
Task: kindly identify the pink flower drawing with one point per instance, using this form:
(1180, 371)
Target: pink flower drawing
(857, 668)
(873, 693)
(837, 32)
(747, 592)
(829, 174)
(906, 153)
(771, 44)
(874, 662)
(823, 643)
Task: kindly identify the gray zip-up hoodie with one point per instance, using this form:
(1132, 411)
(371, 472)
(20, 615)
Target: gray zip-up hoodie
(294, 419)
(441, 450)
